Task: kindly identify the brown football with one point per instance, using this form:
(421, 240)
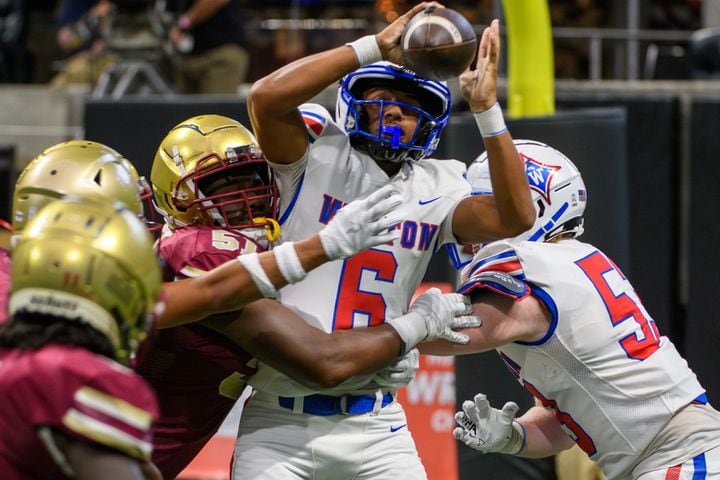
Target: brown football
(438, 43)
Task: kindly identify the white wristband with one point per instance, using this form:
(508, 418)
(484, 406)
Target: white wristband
(491, 121)
(411, 328)
(517, 441)
(251, 262)
(366, 49)
(289, 263)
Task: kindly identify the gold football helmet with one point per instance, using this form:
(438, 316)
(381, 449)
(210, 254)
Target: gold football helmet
(209, 170)
(91, 261)
(78, 167)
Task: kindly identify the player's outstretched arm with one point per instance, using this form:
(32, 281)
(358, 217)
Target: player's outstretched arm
(280, 338)
(536, 434)
(357, 226)
(479, 219)
(274, 99)
(505, 320)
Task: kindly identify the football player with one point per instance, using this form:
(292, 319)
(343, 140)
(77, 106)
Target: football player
(78, 167)
(573, 331)
(212, 185)
(85, 281)
(388, 122)
(81, 168)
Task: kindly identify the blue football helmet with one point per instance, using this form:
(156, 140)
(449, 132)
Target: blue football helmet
(386, 144)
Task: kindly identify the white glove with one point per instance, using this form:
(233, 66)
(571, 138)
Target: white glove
(434, 315)
(362, 224)
(399, 373)
(488, 429)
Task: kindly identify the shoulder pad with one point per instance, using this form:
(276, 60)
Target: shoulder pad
(316, 118)
(499, 282)
(497, 256)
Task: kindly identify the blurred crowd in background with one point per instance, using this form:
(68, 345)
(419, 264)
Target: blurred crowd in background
(211, 46)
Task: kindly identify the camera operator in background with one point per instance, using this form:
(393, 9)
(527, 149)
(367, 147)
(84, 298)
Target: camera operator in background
(78, 36)
(208, 40)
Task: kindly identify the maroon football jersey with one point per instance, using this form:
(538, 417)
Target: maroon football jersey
(4, 283)
(197, 373)
(71, 390)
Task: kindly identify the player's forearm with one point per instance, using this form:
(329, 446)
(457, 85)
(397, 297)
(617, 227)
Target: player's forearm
(230, 286)
(278, 337)
(274, 100)
(544, 435)
(510, 184)
(330, 360)
(310, 252)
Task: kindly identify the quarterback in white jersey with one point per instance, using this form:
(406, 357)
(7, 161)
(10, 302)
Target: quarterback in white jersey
(388, 120)
(570, 327)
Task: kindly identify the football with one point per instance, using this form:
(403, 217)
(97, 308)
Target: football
(438, 43)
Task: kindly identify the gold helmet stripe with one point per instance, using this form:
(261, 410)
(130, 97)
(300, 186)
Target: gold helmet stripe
(114, 407)
(107, 435)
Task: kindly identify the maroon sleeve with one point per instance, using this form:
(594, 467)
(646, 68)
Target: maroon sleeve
(191, 251)
(90, 397)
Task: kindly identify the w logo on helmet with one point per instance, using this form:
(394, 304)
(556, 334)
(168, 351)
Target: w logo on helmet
(539, 175)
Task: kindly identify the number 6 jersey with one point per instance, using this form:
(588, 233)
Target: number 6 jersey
(375, 284)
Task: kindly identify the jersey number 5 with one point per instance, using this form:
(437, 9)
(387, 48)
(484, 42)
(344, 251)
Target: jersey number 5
(352, 299)
(644, 341)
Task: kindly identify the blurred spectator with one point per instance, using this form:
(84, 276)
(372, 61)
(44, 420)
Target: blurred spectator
(78, 36)
(674, 15)
(571, 55)
(13, 27)
(209, 40)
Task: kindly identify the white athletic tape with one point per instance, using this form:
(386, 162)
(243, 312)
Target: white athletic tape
(366, 49)
(289, 262)
(251, 262)
(517, 440)
(491, 121)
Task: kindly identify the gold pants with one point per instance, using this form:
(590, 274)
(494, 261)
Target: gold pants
(574, 464)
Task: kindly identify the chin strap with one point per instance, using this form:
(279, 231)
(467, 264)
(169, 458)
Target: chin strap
(272, 227)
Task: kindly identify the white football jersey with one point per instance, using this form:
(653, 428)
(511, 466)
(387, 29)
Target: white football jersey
(375, 284)
(612, 380)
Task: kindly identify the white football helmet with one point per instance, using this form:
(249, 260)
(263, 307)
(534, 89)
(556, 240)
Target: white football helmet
(556, 186)
(386, 144)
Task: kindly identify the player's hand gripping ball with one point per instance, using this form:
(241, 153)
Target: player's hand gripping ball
(438, 43)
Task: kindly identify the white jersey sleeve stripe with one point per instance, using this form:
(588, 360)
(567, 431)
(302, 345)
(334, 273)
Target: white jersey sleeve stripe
(191, 272)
